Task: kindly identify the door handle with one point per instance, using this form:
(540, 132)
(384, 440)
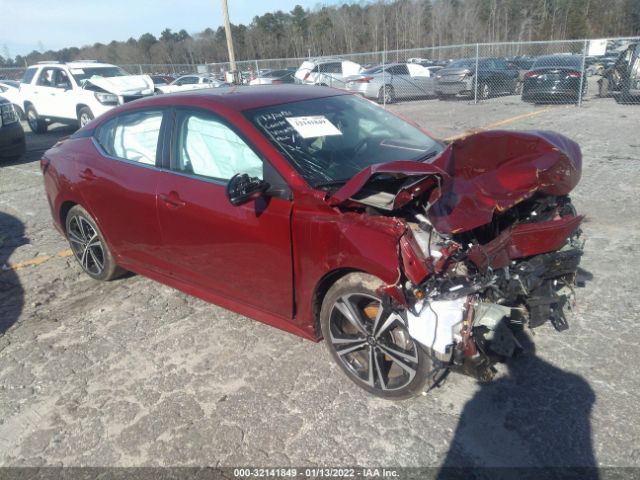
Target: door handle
(87, 174)
(172, 199)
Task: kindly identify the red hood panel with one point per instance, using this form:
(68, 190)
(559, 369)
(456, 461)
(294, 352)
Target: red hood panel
(495, 170)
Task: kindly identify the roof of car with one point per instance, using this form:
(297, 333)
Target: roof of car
(78, 64)
(246, 98)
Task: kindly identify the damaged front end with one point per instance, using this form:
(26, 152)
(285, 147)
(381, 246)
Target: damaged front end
(491, 243)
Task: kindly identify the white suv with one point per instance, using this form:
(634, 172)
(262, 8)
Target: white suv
(76, 92)
(326, 71)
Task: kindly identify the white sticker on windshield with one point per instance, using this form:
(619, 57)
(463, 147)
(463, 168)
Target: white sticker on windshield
(78, 71)
(312, 127)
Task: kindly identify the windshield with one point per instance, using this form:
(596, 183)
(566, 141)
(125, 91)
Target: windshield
(81, 75)
(558, 61)
(328, 140)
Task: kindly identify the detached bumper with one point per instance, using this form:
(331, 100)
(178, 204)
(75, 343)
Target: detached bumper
(12, 142)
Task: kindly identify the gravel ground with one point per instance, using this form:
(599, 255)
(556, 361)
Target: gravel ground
(134, 373)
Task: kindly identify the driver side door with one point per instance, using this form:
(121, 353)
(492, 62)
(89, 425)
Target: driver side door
(241, 253)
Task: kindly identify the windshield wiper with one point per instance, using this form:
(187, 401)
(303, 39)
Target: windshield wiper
(330, 183)
(428, 156)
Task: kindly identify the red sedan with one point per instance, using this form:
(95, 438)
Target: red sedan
(320, 213)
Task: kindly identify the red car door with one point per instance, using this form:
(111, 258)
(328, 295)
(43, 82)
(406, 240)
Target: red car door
(118, 180)
(242, 252)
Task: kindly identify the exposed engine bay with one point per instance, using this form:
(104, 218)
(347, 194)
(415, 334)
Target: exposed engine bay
(491, 242)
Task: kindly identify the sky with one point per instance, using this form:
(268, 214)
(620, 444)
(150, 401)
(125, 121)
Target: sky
(54, 24)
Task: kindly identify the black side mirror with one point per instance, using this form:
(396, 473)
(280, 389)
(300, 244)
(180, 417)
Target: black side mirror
(242, 188)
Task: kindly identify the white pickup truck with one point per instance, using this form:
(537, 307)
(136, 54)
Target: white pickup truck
(75, 93)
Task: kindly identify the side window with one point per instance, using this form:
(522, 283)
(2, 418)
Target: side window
(28, 75)
(47, 77)
(399, 70)
(207, 147)
(187, 81)
(333, 67)
(62, 80)
(132, 136)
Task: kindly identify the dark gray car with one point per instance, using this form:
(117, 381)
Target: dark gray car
(12, 143)
(494, 76)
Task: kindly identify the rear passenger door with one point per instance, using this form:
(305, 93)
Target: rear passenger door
(118, 184)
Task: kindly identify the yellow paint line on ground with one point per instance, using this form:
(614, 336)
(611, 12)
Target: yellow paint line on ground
(491, 126)
(36, 261)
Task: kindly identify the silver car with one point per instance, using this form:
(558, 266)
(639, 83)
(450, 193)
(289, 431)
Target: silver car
(392, 82)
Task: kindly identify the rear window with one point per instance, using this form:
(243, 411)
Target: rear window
(558, 61)
(28, 75)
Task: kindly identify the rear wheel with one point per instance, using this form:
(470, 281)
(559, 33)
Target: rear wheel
(484, 91)
(386, 94)
(36, 124)
(89, 247)
(603, 87)
(370, 342)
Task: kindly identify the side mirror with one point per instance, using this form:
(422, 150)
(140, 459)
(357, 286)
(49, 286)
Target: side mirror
(64, 86)
(242, 188)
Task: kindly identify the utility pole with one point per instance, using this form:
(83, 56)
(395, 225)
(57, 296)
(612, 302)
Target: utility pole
(227, 29)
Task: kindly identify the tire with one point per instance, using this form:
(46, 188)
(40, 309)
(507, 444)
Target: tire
(19, 112)
(36, 124)
(359, 333)
(386, 94)
(517, 90)
(603, 87)
(89, 247)
(84, 116)
(445, 96)
(484, 91)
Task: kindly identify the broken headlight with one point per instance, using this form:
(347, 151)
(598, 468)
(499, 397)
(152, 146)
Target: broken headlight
(107, 98)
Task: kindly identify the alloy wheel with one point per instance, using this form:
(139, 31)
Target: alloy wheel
(86, 245)
(32, 119)
(372, 342)
(84, 119)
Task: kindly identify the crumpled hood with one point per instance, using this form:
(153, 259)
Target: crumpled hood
(127, 85)
(472, 178)
(395, 190)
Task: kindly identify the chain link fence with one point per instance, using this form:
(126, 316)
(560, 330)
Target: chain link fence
(536, 72)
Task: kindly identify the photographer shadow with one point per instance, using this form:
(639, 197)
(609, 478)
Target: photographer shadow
(532, 423)
(11, 291)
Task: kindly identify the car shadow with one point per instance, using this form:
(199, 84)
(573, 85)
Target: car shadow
(532, 423)
(11, 291)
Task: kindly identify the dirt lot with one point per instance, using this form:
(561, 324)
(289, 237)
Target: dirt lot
(134, 373)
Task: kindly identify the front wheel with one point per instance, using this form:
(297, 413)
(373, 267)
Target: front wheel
(370, 341)
(88, 246)
(36, 124)
(84, 116)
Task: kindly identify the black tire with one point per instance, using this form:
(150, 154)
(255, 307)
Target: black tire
(445, 96)
(401, 368)
(89, 247)
(603, 87)
(19, 112)
(85, 115)
(517, 90)
(484, 91)
(386, 94)
(36, 124)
